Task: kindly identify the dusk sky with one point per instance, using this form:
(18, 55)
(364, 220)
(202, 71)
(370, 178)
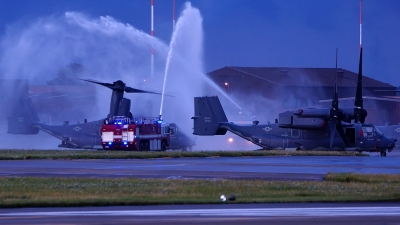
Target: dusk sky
(255, 33)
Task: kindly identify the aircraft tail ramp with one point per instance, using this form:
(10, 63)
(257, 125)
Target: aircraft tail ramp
(23, 118)
(208, 116)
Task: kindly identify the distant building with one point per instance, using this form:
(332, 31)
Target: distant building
(68, 75)
(63, 98)
(266, 91)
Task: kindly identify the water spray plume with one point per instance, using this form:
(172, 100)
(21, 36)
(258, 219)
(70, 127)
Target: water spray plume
(185, 22)
(179, 28)
(37, 50)
(214, 85)
(173, 40)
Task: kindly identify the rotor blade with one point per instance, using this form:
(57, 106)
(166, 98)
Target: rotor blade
(120, 86)
(339, 128)
(335, 100)
(111, 86)
(333, 127)
(359, 112)
(358, 102)
(134, 90)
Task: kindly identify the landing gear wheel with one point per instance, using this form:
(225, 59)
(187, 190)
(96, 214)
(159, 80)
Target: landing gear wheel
(300, 148)
(383, 153)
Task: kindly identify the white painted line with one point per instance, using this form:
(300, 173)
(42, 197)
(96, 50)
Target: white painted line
(261, 212)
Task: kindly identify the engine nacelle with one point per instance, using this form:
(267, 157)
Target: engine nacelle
(313, 113)
(296, 122)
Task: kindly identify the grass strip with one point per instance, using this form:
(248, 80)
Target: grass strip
(363, 178)
(13, 154)
(46, 192)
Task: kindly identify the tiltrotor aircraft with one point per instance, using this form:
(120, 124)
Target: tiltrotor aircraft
(302, 129)
(86, 135)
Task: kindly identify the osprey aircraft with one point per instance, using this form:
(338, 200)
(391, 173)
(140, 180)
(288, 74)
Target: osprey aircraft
(306, 129)
(325, 128)
(86, 135)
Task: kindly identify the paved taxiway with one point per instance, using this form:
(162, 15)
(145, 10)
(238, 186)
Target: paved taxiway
(277, 168)
(298, 213)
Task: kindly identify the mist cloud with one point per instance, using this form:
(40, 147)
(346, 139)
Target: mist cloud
(112, 50)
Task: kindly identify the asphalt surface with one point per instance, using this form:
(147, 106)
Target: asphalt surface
(272, 168)
(269, 168)
(298, 213)
(45, 141)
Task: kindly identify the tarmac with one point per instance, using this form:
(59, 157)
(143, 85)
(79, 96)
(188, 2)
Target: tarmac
(267, 168)
(283, 213)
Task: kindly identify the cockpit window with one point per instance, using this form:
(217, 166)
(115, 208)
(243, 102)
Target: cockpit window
(368, 131)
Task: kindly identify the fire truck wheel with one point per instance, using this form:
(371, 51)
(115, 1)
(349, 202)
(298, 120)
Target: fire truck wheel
(163, 146)
(146, 146)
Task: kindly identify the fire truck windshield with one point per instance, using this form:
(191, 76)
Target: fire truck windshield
(119, 120)
(123, 120)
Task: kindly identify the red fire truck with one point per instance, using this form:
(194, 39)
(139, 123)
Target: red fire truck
(137, 134)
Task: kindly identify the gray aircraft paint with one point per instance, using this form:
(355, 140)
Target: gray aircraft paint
(210, 119)
(85, 135)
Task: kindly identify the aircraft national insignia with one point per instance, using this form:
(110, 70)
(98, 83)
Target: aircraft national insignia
(267, 129)
(77, 128)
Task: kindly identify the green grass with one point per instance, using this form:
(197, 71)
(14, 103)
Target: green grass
(363, 178)
(10, 154)
(35, 192)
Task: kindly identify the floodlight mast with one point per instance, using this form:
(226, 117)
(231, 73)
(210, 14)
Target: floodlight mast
(173, 15)
(152, 34)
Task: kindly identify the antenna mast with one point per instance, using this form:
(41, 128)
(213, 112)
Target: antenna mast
(360, 25)
(152, 34)
(173, 15)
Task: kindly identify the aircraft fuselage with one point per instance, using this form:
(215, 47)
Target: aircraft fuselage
(361, 137)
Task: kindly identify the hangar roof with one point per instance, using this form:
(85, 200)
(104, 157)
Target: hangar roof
(286, 76)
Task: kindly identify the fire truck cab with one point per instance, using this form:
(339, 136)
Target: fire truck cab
(136, 134)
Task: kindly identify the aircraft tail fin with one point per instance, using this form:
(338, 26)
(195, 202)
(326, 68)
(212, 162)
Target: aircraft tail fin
(208, 116)
(23, 118)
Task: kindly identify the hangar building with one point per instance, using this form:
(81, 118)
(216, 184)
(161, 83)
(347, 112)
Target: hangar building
(263, 92)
